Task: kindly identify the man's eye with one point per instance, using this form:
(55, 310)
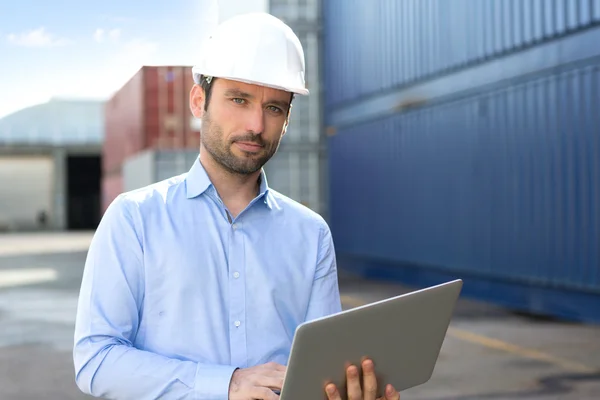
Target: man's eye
(238, 101)
(275, 109)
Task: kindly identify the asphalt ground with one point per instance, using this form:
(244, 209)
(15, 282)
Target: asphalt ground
(489, 352)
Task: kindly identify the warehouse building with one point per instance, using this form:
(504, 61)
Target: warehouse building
(50, 166)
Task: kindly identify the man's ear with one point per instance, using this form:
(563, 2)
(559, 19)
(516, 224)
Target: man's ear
(197, 99)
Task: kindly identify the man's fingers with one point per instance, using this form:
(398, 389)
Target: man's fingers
(332, 392)
(354, 389)
(369, 380)
(269, 382)
(263, 393)
(276, 375)
(273, 373)
(391, 393)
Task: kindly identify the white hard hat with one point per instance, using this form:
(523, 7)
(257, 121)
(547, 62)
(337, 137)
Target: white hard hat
(255, 48)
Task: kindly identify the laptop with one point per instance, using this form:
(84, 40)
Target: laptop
(403, 335)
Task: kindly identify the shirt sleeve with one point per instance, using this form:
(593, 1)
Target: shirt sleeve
(112, 290)
(325, 295)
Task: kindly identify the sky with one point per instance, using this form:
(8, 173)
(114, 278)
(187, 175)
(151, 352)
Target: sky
(79, 49)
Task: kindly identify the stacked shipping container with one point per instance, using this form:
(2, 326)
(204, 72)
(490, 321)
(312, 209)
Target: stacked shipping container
(151, 111)
(112, 186)
(492, 172)
(382, 44)
(298, 168)
(151, 166)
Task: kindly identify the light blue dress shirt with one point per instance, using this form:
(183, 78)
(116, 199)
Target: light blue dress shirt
(175, 296)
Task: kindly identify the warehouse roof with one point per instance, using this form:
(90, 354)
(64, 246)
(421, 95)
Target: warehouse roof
(58, 122)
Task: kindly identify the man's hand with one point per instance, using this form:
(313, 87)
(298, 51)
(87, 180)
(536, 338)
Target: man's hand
(257, 382)
(369, 386)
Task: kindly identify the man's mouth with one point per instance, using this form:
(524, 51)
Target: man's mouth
(248, 146)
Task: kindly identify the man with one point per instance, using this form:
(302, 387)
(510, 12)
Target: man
(193, 286)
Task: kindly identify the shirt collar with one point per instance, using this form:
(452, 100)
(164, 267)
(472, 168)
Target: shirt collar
(197, 182)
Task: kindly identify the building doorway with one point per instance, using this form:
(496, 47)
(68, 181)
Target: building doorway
(83, 192)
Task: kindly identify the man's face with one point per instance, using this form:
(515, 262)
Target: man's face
(243, 125)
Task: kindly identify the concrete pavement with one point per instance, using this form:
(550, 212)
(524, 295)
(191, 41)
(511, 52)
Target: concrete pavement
(489, 353)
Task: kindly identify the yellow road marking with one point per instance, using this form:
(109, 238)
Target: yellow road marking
(520, 351)
(461, 334)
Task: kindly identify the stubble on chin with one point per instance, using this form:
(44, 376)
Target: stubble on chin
(221, 150)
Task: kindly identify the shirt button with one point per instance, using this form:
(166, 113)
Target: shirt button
(237, 323)
(234, 226)
(236, 275)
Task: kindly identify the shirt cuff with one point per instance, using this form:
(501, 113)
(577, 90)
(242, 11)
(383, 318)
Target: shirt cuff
(212, 381)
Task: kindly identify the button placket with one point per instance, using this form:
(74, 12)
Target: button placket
(237, 295)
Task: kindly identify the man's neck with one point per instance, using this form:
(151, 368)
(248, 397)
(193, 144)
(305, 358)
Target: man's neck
(236, 191)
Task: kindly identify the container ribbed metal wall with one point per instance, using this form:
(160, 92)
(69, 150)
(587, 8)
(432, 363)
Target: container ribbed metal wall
(151, 166)
(298, 168)
(506, 183)
(493, 176)
(377, 45)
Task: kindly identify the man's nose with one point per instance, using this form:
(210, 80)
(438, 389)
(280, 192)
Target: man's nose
(256, 121)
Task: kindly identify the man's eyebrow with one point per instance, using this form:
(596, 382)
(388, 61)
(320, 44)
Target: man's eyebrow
(238, 93)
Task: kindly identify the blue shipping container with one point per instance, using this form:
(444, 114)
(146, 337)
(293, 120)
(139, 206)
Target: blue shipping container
(379, 45)
(492, 175)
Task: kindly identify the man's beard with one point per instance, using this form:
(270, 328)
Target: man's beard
(220, 149)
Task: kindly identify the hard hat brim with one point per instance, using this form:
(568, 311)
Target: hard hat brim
(300, 91)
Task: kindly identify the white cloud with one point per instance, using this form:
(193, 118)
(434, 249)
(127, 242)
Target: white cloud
(36, 38)
(114, 34)
(100, 35)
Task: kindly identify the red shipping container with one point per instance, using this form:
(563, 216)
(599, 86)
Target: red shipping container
(150, 111)
(112, 186)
